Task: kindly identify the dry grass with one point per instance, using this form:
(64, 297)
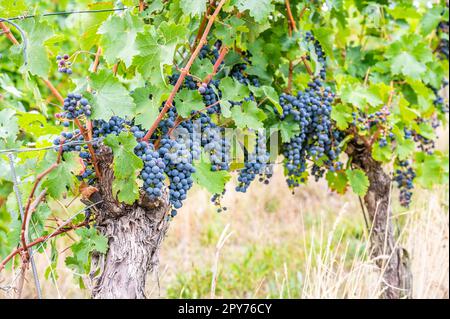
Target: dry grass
(308, 245)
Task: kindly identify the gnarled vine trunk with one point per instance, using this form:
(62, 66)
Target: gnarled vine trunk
(135, 233)
(390, 257)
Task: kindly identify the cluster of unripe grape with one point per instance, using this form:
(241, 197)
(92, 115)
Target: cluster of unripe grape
(64, 65)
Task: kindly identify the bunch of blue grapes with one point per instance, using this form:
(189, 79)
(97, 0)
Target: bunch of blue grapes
(75, 105)
(215, 144)
(211, 53)
(256, 163)
(153, 172)
(64, 65)
(238, 72)
(443, 43)
(321, 57)
(316, 140)
(440, 104)
(115, 125)
(404, 177)
(178, 167)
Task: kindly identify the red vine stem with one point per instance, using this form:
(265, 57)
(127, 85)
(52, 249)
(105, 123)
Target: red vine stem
(184, 72)
(141, 5)
(290, 16)
(38, 241)
(86, 136)
(200, 28)
(307, 66)
(8, 33)
(33, 190)
(97, 59)
(222, 54)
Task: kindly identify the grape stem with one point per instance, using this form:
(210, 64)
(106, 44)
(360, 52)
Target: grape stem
(184, 72)
(292, 24)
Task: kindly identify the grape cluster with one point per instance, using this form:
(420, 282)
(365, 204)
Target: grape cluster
(256, 163)
(404, 176)
(64, 65)
(178, 167)
(311, 110)
(212, 54)
(238, 73)
(443, 33)
(153, 172)
(75, 105)
(321, 58)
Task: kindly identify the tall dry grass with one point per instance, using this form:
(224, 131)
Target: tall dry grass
(272, 244)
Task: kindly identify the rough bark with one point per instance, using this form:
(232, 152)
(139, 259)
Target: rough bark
(390, 257)
(135, 233)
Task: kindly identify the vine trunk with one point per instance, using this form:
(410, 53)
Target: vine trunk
(390, 257)
(135, 234)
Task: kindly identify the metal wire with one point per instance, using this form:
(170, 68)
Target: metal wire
(23, 150)
(65, 13)
(19, 202)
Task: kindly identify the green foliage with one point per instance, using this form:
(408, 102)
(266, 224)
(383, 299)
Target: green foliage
(379, 55)
(126, 166)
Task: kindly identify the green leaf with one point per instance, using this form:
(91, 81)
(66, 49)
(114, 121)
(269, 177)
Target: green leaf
(337, 181)
(110, 97)
(288, 129)
(8, 124)
(148, 101)
(157, 48)
(409, 55)
(37, 33)
(430, 20)
(381, 154)
(258, 9)
(360, 96)
(214, 182)
(358, 181)
(61, 178)
(126, 166)
(202, 68)
(187, 101)
(193, 7)
(118, 35)
(325, 36)
(432, 169)
(248, 115)
(90, 240)
(405, 149)
(341, 114)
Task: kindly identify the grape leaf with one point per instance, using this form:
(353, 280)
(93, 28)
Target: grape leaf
(341, 114)
(358, 181)
(61, 178)
(110, 97)
(148, 101)
(157, 48)
(126, 166)
(258, 9)
(8, 124)
(430, 20)
(214, 182)
(248, 115)
(193, 7)
(90, 240)
(118, 35)
(37, 33)
(187, 101)
(337, 181)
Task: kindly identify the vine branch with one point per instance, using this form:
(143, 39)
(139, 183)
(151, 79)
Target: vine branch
(184, 72)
